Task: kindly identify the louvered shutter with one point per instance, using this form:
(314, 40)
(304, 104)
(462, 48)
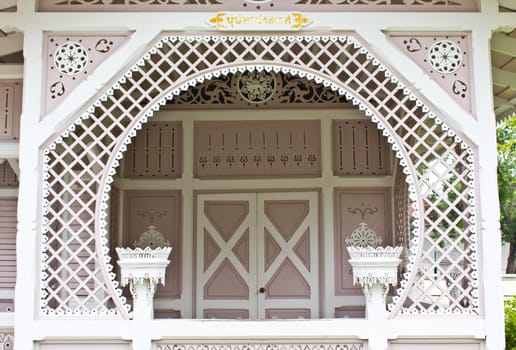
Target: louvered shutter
(8, 242)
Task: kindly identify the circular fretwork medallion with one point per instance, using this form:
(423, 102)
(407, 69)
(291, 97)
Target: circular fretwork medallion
(445, 56)
(256, 87)
(70, 58)
(363, 237)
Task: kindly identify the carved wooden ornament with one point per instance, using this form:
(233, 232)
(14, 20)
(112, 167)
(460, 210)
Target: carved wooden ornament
(70, 58)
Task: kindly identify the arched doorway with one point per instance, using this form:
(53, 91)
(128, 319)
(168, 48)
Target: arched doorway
(260, 196)
(83, 160)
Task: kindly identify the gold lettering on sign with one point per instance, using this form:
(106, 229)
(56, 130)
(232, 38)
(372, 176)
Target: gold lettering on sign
(231, 21)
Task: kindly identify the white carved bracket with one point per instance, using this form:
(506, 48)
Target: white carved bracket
(375, 269)
(143, 269)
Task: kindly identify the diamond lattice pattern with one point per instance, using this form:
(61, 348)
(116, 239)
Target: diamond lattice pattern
(77, 277)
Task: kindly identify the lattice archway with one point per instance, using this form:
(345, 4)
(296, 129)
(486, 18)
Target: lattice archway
(80, 163)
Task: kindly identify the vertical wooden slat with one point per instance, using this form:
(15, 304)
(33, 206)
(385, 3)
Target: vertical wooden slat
(359, 149)
(8, 222)
(155, 151)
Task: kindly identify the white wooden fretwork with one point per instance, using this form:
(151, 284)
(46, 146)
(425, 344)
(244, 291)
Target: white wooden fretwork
(151, 238)
(290, 91)
(69, 58)
(259, 5)
(363, 236)
(445, 58)
(79, 164)
(260, 346)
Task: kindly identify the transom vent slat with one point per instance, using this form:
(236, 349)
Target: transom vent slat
(156, 151)
(257, 148)
(359, 148)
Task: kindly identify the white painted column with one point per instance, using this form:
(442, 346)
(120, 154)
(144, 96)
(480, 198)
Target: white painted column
(378, 339)
(143, 294)
(489, 240)
(28, 242)
(141, 341)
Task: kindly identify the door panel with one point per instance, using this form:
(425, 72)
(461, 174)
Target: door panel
(257, 255)
(226, 280)
(288, 227)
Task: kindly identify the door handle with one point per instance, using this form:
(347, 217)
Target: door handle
(261, 290)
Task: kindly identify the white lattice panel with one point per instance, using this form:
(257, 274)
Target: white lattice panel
(79, 164)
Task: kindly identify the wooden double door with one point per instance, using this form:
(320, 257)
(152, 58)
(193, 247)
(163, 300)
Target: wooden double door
(257, 255)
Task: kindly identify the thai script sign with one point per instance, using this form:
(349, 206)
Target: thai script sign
(259, 21)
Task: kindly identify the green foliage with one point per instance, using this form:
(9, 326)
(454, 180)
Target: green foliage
(510, 324)
(506, 137)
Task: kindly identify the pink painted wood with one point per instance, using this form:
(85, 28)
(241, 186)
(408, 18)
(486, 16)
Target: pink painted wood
(8, 178)
(163, 210)
(225, 262)
(87, 52)
(10, 114)
(257, 148)
(156, 152)
(375, 204)
(359, 148)
(258, 254)
(457, 83)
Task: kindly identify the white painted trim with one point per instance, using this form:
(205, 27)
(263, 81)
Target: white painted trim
(489, 252)
(28, 235)
(458, 328)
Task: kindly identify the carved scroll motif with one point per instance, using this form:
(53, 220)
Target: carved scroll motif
(225, 92)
